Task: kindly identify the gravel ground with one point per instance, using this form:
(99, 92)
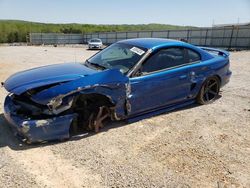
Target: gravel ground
(199, 146)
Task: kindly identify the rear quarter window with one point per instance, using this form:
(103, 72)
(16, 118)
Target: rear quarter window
(193, 56)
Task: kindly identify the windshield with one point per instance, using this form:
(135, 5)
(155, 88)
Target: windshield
(118, 55)
(95, 40)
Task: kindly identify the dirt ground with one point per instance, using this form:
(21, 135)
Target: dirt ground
(199, 146)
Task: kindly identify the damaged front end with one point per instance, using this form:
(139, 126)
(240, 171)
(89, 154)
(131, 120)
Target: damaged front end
(56, 111)
(32, 125)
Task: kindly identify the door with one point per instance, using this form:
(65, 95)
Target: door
(162, 80)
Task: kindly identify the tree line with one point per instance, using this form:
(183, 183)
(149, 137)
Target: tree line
(17, 31)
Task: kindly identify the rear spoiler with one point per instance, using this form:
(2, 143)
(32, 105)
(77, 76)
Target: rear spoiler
(216, 51)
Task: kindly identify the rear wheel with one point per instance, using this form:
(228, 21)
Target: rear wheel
(209, 90)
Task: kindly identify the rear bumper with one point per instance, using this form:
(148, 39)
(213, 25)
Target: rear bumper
(37, 130)
(226, 78)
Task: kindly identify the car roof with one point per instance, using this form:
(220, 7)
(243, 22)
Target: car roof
(151, 43)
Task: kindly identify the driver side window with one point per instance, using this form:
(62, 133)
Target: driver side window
(163, 59)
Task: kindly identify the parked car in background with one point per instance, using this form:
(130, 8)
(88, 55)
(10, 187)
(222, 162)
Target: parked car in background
(130, 79)
(95, 44)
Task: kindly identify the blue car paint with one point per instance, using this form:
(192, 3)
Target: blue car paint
(111, 78)
(111, 83)
(132, 97)
(114, 87)
(162, 85)
(33, 78)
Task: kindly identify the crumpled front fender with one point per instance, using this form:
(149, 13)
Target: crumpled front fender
(111, 83)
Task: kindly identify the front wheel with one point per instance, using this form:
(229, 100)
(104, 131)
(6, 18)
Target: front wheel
(209, 90)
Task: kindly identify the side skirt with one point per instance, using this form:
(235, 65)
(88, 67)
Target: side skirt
(158, 111)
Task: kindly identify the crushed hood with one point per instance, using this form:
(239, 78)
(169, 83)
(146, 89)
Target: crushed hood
(109, 82)
(37, 77)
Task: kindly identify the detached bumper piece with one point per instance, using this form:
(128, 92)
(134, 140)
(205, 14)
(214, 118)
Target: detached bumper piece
(31, 130)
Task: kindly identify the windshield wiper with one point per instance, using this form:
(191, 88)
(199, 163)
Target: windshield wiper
(97, 65)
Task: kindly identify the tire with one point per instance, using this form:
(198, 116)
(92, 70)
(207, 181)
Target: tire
(209, 91)
(73, 128)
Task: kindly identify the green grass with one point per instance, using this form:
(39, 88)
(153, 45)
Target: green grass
(16, 30)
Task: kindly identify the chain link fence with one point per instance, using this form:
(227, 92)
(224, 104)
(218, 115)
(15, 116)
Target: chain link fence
(234, 37)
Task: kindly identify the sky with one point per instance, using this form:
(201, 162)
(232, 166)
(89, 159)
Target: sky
(176, 12)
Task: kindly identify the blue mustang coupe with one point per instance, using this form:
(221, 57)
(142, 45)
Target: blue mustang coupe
(129, 79)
